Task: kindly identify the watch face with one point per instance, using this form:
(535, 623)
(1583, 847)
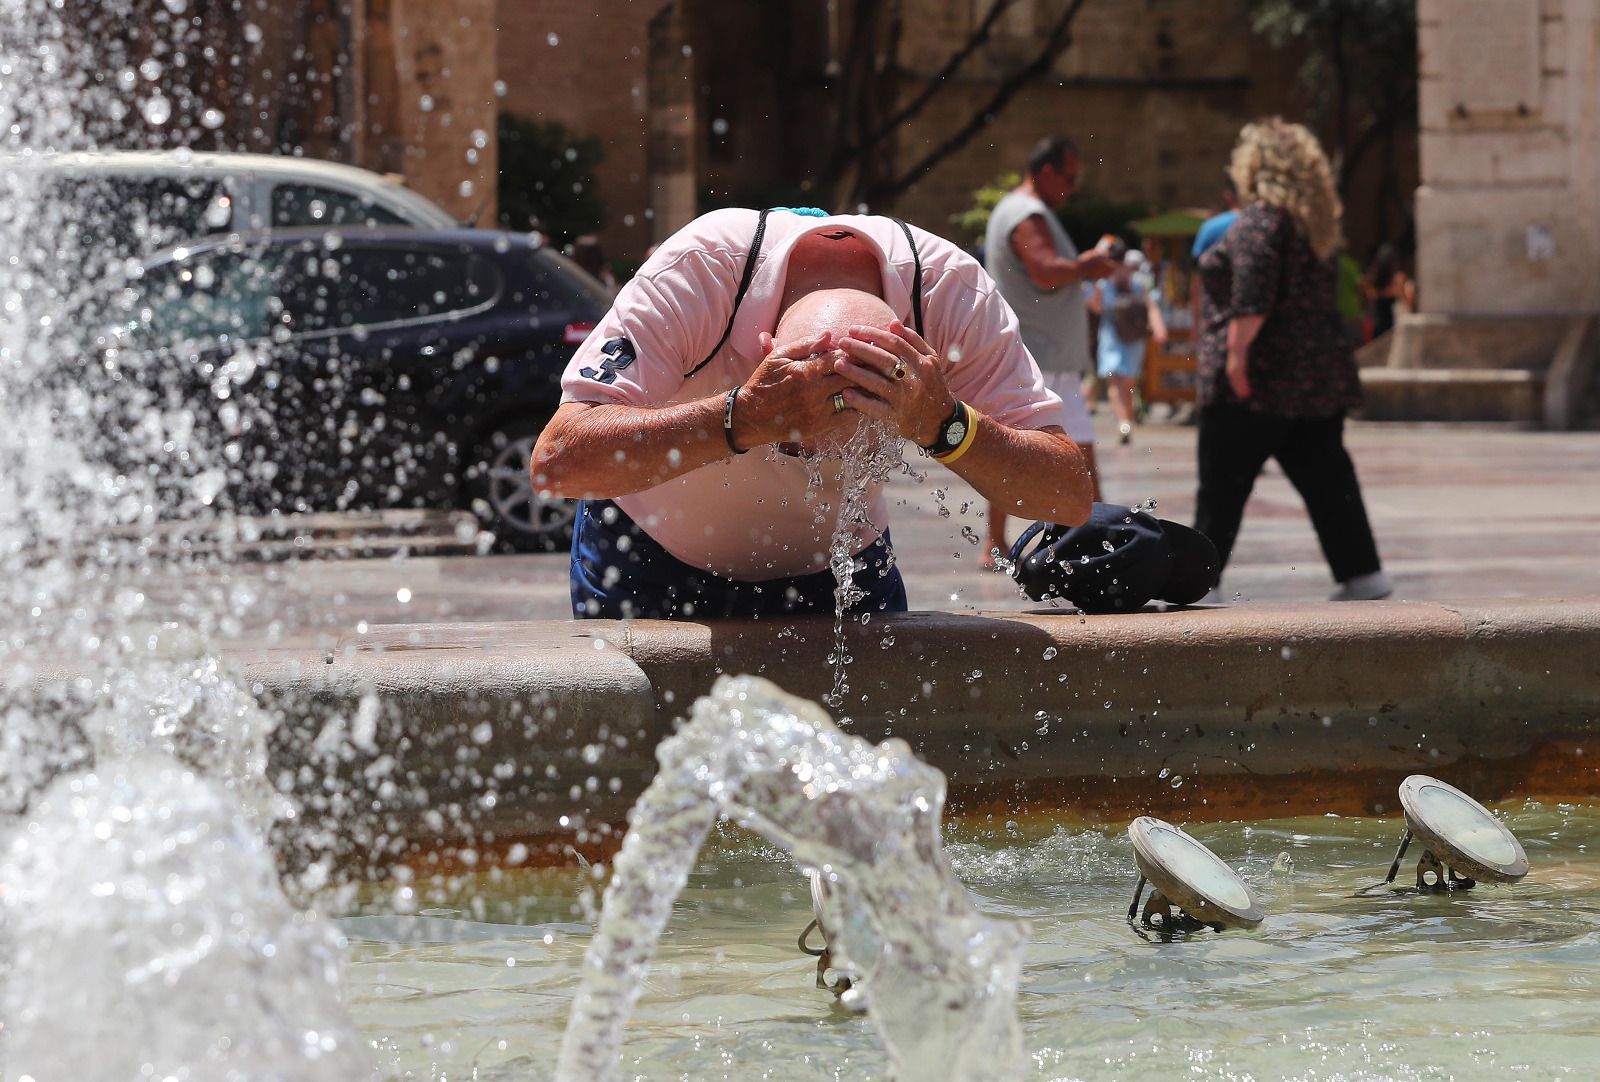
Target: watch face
(956, 432)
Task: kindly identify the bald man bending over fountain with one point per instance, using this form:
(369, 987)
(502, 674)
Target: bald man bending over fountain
(693, 415)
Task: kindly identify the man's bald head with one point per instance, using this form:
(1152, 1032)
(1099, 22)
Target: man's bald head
(835, 310)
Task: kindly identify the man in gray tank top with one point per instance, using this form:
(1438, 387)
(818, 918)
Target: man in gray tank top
(1040, 274)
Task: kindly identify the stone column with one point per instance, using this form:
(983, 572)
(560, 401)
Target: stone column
(1507, 213)
(673, 124)
(429, 99)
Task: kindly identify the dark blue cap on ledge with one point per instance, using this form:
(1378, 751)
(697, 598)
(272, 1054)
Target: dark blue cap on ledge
(1118, 561)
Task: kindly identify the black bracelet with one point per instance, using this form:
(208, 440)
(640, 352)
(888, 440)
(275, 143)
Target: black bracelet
(727, 422)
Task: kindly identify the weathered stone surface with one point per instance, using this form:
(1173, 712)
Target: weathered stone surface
(472, 737)
(420, 744)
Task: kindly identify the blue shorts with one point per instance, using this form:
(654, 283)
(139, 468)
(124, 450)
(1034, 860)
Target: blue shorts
(620, 572)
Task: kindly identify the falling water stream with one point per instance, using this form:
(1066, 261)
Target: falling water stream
(861, 462)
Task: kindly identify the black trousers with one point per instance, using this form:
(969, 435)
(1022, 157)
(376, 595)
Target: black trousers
(1235, 443)
(619, 572)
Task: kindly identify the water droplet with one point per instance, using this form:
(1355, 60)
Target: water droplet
(1049, 652)
(1177, 780)
(212, 118)
(552, 40)
(156, 109)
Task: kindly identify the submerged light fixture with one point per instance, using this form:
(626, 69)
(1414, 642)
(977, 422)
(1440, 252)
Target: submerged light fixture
(1459, 835)
(832, 975)
(1190, 887)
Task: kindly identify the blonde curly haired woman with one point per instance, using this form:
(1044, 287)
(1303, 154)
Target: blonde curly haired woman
(1276, 373)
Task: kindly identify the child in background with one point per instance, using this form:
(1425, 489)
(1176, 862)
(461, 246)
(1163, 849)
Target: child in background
(1129, 315)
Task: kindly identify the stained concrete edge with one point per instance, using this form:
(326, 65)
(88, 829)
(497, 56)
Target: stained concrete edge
(547, 729)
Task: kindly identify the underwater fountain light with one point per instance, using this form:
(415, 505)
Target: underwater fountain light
(1459, 835)
(1186, 876)
(832, 975)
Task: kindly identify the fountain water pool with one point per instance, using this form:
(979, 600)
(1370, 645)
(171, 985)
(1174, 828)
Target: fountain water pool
(1493, 982)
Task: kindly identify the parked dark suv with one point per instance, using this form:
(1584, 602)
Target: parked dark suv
(369, 368)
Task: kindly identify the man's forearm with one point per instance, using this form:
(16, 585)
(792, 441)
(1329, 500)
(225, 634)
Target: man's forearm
(602, 451)
(1031, 474)
(1054, 272)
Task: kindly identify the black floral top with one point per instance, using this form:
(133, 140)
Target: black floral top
(1300, 363)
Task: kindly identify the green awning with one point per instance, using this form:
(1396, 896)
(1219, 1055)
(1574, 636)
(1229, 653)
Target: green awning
(1172, 223)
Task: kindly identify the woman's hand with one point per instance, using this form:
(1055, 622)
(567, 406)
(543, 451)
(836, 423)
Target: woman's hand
(1239, 375)
(1242, 331)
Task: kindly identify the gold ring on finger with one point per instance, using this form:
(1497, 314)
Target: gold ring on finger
(838, 402)
(899, 372)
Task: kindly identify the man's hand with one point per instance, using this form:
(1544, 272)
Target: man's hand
(895, 377)
(1094, 265)
(789, 397)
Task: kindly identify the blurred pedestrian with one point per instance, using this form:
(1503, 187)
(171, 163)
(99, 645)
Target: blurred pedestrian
(1129, 315)
(1216, 227)
(1349, 300)
(586, 252)
(1386, 287)
(1041, 276)
(1277, 375)
(1212, 230)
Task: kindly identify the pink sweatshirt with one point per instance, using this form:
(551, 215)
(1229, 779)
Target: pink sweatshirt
(747, 517)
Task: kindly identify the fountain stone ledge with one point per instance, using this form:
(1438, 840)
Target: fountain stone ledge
(536, 737)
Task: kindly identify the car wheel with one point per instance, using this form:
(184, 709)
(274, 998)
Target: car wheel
(502, 495)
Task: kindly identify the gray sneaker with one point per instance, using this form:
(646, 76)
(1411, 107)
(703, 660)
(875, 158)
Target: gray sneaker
(1373, 587)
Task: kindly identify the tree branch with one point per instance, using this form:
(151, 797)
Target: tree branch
(851, 149)
(1056, 43)
(980, 37)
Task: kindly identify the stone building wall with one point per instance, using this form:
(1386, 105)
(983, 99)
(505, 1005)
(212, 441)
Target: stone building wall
(1508, 214)
(427, 77)
(1153, 92)
(586, 65)
(734, 95)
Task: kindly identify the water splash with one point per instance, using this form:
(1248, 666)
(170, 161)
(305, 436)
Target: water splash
(940, 977)
(863, 459)
(143, 926)
(153, 933)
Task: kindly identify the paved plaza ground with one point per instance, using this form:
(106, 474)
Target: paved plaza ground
(1461, 512)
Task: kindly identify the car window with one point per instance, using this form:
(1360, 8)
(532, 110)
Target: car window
(330, 289)
(560, 280)
(134, 215)
(313, 204)
(304, 289)
(209, 297)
